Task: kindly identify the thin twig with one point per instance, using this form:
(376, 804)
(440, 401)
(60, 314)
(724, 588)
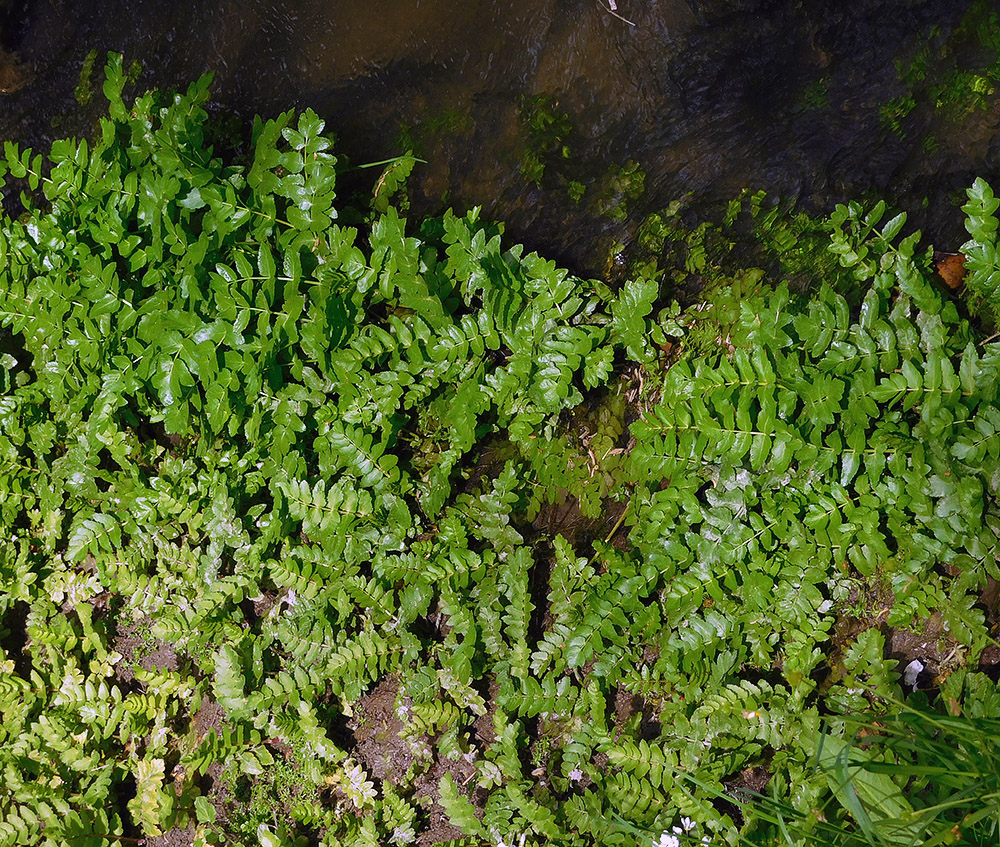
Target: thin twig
(617, 526)
(611, 9)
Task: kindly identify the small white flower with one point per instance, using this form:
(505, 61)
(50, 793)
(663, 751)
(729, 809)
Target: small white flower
(575, 775)
(358, 788)
(706, 839)
(356, 776)
(402, 834)
(667, 840)
(687, 823)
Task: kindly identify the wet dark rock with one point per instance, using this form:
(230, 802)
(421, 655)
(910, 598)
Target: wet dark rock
(707, 96)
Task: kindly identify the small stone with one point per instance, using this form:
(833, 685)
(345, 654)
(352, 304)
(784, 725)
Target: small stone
(911, 673)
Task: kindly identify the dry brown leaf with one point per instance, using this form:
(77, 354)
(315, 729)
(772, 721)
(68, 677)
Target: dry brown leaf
(951, 268)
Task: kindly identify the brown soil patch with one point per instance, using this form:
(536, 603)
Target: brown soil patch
(440, 828)
(926, 640)
(387, 752)
(139, 648)
(210, 715)
(742, 788)
(483, 725)
(173, 838)
(628, 705)
(13, 75)
(378, 733)
(565, 518)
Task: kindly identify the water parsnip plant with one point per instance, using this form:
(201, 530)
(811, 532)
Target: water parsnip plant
(306, 457)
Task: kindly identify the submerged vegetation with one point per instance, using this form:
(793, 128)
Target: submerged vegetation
(283, 559)
(955, 76)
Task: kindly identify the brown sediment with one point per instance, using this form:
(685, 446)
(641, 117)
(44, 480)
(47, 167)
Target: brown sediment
(13, 74)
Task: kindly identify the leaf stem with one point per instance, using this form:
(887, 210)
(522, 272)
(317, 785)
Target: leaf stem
(618, 523)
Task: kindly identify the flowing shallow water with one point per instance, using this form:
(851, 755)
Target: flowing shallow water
(565, 120)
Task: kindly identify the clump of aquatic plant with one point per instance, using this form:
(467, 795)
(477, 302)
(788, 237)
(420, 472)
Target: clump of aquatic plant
(311, 461)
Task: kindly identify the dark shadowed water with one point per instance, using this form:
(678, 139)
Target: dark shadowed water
(557, 116)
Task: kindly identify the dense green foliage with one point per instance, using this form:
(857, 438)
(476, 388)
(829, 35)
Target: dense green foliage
(303, 459)
(914, 776)
(949, 75)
